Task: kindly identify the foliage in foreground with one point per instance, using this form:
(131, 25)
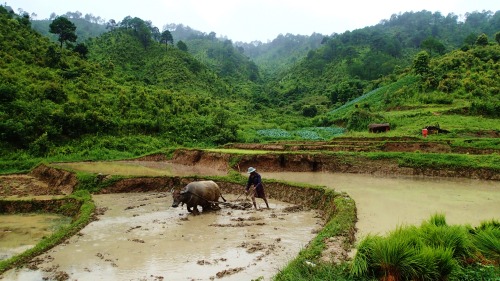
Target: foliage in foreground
(434, 251)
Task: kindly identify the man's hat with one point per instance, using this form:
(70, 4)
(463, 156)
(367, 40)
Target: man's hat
(251, 170)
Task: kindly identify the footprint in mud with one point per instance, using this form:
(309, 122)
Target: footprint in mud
(133, 207)
(36, 262)
(238, 224)
(230, 271)
(215, 261)
(101, 256)
(60, 276)
(132, 228)
(100, 211)
(136, 240)
(293, 209)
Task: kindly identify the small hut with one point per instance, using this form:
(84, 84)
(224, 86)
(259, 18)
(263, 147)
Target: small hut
(379, 128)
(435, 129)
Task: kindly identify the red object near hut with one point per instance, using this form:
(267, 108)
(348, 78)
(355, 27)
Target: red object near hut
(424, 133)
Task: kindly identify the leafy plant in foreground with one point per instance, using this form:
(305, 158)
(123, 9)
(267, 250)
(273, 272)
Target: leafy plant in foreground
(434, 251)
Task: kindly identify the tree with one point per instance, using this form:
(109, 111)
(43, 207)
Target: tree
(421, 63)
(497, 37)
(432, 44)
(166, 37)
(25, 19)
(182, 46)
(111, 24)
(64, 28)
(470, 39)
(309, 111)
(82, 49)
(140, 29)
(155, 32)
(482, 40)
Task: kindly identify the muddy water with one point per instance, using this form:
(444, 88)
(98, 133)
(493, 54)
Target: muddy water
(21, 232)
(141, 168)
(140, 237)
(384, 203)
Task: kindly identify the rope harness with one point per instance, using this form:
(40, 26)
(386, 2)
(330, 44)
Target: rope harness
(231, 205)
(201, 197)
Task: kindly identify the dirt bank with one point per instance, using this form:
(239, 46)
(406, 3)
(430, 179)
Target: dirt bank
(321, 162)
(63, 206)
(60, 181)
(41, 181)
(380, 144)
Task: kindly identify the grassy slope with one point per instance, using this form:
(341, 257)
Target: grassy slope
(410, 118)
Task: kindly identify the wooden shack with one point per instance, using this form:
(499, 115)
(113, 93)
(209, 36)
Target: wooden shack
(379, 128)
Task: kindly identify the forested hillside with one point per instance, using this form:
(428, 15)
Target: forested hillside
(85, 29)
(281, 53)
(126, 87)
(132, 87)
(354, 62)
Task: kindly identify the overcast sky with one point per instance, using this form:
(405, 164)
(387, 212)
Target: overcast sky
(248, 20)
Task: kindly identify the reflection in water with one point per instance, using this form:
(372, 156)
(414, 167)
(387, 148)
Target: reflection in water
(140, 237)
(386, 202)
(19, 232)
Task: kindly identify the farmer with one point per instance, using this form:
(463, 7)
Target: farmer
(258, 189)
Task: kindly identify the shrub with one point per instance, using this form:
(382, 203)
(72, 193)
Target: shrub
(489, 108)
(360, 119)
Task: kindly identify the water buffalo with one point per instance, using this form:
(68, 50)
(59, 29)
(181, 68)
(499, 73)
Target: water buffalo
(202, 193)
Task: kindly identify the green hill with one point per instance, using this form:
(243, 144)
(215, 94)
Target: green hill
(281, 53)
(131, 92)
(51, 96)
(355, 62)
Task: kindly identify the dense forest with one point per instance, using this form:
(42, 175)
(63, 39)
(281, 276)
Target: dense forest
(127, 86)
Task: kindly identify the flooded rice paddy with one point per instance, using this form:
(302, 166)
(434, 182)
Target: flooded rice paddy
(140, 237)
(19, 232)
(141, 168)
(386, 202)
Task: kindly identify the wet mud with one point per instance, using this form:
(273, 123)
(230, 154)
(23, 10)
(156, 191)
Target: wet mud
(138, 236)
